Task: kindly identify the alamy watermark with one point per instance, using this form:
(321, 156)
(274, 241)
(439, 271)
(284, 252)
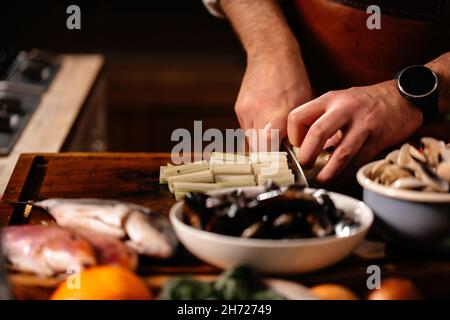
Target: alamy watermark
(73, 21)
(190, 147)
(374, 20)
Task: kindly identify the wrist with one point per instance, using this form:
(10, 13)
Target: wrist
(273, 50)
(278, 41)
(402, 103)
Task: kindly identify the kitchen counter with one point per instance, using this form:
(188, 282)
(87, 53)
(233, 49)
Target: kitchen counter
(52, 122)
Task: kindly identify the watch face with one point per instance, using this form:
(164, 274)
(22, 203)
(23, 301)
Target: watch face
(417, 81)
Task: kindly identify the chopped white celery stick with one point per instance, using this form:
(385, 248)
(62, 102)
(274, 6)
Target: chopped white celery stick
(220, 169)
(185, 169)
(231, 184)
(202, 176)
(162, 178)
(194, 187)
(234, 178)
(228, 157)
(180, 195)
(277, 173)
(270, 167)
(280, 180)
(261, 157)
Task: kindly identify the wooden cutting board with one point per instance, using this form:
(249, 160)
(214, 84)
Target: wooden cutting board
(134, 177)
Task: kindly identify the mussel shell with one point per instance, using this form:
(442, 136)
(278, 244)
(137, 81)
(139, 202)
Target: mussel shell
(327, 206)
(195, 211)
(346, 228)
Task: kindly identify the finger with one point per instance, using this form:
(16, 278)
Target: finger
(278, 122)
(245, 122)
(334, 140)
(368, 152)
(240, 120)
(301, 118)
(252, 136)
(349, 147)
(276, 130)
(323, 129)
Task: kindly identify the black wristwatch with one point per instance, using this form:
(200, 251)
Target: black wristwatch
(419, 85)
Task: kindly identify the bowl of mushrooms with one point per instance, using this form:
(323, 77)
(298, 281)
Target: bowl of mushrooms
(409, 192)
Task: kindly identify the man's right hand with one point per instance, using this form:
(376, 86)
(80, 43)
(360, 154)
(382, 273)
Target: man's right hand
(274, 84)
(276, 80)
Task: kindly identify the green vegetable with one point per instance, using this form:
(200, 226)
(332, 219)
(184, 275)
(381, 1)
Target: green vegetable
(266, 294)
(234, 284)
(184, 288)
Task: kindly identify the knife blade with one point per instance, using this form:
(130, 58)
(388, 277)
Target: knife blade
(299, 174)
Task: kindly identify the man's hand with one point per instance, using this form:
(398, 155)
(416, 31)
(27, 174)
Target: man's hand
(274, 84)
(275, 80)
(370, 119)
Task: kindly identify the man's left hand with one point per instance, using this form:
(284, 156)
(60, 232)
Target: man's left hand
(370, 119)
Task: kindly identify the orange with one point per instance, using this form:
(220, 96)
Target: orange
(103, 283)
(333, 292)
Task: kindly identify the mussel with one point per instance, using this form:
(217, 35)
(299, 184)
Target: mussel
(276, 213)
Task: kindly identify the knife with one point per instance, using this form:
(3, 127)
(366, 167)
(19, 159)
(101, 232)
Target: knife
(300, 177)
(5, 288)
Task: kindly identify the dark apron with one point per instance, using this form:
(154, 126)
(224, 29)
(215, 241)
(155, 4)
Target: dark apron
(340, 51)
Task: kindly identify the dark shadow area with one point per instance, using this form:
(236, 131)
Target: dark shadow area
(168, 63)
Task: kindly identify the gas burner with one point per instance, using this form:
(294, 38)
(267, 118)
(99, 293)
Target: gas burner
(26, 76)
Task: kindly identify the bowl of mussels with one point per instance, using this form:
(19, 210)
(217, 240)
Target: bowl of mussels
(409, 192)
(276, 230)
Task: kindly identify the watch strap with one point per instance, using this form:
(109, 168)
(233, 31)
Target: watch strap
(429, 107)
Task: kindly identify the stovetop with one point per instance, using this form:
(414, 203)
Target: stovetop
(24, 78)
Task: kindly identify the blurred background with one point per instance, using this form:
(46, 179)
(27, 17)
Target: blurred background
(167, 63)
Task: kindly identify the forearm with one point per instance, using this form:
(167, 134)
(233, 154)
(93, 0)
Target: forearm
(261, 26)
(441, 66)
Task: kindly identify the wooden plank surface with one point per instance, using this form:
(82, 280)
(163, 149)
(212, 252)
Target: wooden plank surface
(135, 177)
(60, 105)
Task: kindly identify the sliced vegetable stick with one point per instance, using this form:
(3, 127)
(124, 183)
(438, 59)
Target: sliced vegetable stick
(180, 195)
(273, 168)
(194, 186)
(282, 175)
(261, 157)
(281, 180)
(229, 157)
(220, 169)
(231, 178)
(280, 172)
(231, 184)
(185, 169)
(162, 178)
(281, 163)
(202, 176)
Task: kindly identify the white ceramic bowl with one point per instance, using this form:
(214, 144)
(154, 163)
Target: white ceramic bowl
(274, 256)
(414, 218)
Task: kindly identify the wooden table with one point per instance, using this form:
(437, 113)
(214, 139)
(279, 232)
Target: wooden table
(134, 177)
